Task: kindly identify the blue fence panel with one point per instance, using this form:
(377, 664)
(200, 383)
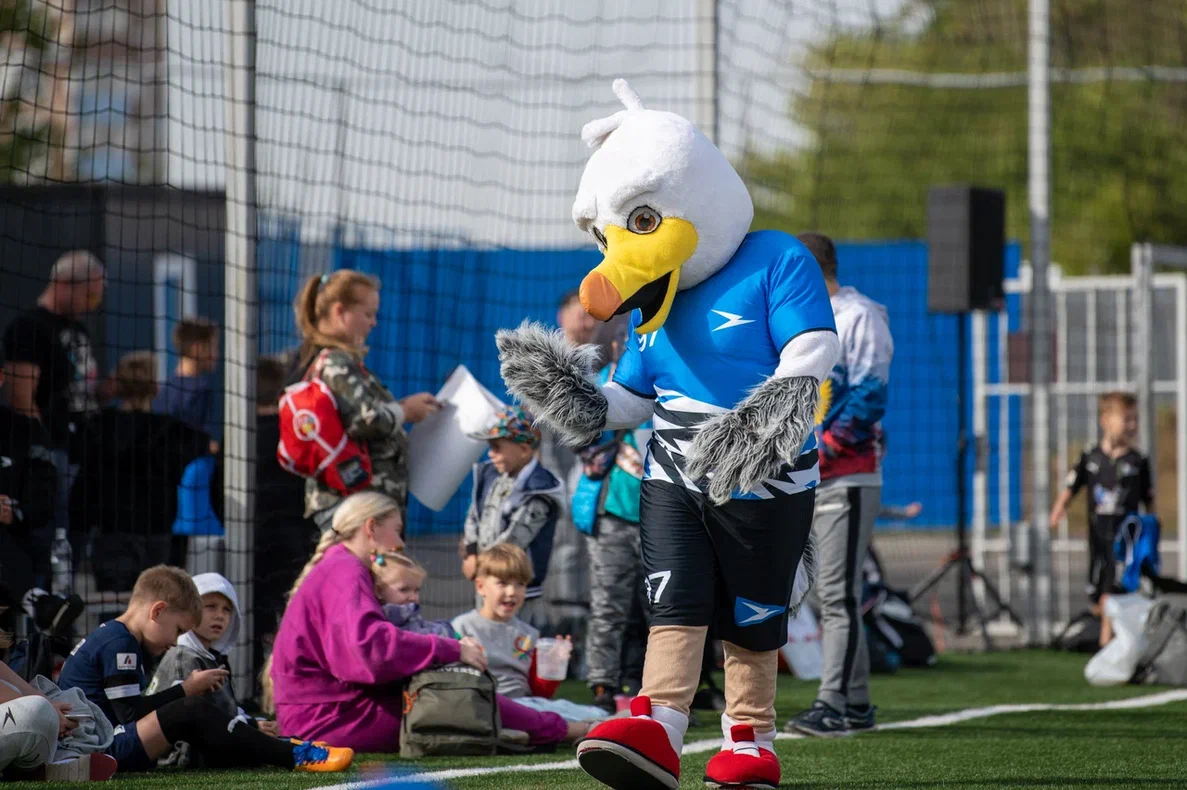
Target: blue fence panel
(278, 267)
(922, 419)
(441, 308)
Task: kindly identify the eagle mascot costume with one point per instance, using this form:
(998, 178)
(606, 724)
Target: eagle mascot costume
(732, 334)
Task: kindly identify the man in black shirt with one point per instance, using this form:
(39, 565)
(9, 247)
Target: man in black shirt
(52, 372)
(51, 365)
(1118, 480)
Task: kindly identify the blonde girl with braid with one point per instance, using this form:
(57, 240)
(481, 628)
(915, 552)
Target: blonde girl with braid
(337, 662)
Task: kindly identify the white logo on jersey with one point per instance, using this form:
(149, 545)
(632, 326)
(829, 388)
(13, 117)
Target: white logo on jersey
(647, 340)
(732, 320)
(662, 577)
(125, 660)
(76, 647)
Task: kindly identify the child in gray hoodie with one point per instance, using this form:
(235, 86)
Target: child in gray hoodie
(206, 647)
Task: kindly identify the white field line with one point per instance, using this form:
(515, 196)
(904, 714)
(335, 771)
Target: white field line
(712, 744)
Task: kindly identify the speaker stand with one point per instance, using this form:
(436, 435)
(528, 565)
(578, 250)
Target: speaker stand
(960, 559)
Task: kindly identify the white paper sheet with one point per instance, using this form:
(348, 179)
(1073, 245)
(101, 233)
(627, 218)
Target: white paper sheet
(440, 453)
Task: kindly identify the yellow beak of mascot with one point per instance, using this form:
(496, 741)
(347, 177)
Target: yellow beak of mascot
(664, 206)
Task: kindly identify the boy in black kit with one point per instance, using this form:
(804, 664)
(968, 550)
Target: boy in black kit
(1118, 480)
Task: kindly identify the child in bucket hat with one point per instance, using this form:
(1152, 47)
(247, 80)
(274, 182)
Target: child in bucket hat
(515, 500)
(513, 423)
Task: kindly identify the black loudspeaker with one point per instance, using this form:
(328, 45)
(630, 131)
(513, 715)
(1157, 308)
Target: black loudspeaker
(966, 245)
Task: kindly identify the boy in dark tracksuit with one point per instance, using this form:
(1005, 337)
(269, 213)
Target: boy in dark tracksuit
(516, 500)
(1118, 478)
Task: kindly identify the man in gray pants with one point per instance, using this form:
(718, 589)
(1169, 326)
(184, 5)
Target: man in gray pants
(852, 402)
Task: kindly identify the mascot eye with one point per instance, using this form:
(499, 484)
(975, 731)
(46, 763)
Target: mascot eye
(643, 220)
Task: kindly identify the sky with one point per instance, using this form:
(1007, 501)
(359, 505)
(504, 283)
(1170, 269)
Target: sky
(458, 121)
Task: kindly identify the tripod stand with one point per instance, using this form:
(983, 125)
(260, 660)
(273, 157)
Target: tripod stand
(960, 560)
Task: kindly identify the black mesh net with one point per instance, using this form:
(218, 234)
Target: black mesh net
(437, 148)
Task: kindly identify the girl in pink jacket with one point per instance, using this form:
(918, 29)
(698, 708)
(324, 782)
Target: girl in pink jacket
(337, 664)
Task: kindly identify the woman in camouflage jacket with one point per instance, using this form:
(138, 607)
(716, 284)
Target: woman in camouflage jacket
(335, 313)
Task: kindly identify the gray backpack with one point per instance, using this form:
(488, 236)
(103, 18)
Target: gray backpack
(1164, 661)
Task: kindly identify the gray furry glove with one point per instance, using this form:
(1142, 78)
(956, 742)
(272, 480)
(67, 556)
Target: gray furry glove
(554, 381)
(756, 439)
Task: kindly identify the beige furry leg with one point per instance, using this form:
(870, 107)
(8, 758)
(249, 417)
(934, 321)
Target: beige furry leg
(750, 686)
(673, 665)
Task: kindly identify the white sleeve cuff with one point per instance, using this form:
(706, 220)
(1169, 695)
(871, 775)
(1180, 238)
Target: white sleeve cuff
(625, 409)
(812, 354)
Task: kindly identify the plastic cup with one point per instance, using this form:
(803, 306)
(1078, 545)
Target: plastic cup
(552, 658)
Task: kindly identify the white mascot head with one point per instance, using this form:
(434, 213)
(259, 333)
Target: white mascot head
(664, 205)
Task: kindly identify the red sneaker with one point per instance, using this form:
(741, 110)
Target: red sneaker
(95, 767)
(745, 765)
(103, 766)
(631, 754)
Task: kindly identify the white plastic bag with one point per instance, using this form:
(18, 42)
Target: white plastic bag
(803, 652)
(440, 451)
(1115, 663)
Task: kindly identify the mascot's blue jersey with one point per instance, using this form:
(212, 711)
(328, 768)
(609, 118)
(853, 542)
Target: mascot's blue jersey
(721, 339)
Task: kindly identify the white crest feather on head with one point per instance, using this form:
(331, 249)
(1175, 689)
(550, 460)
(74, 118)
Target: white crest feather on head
(626, 94)
(595, 133)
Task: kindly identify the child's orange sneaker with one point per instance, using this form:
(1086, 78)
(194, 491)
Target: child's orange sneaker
(312, 758)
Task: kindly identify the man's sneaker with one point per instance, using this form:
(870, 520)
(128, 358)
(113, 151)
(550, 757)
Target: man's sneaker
(860, 719)
(821, 720)
(321, 759)
(603, 697)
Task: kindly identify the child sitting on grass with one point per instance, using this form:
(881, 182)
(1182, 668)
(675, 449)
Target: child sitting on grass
(206, 647)
(502, 574)
(398, 579)
(109, 667)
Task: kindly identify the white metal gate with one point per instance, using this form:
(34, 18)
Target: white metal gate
(1101, 328)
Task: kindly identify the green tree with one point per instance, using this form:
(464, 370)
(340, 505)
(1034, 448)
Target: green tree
(27, 31)
(1119, 148)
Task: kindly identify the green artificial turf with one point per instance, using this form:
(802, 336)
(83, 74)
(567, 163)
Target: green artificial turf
(1114, 749)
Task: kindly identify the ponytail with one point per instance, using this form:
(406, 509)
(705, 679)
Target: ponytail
(305, 307)
(350, 516)
(317, 297)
